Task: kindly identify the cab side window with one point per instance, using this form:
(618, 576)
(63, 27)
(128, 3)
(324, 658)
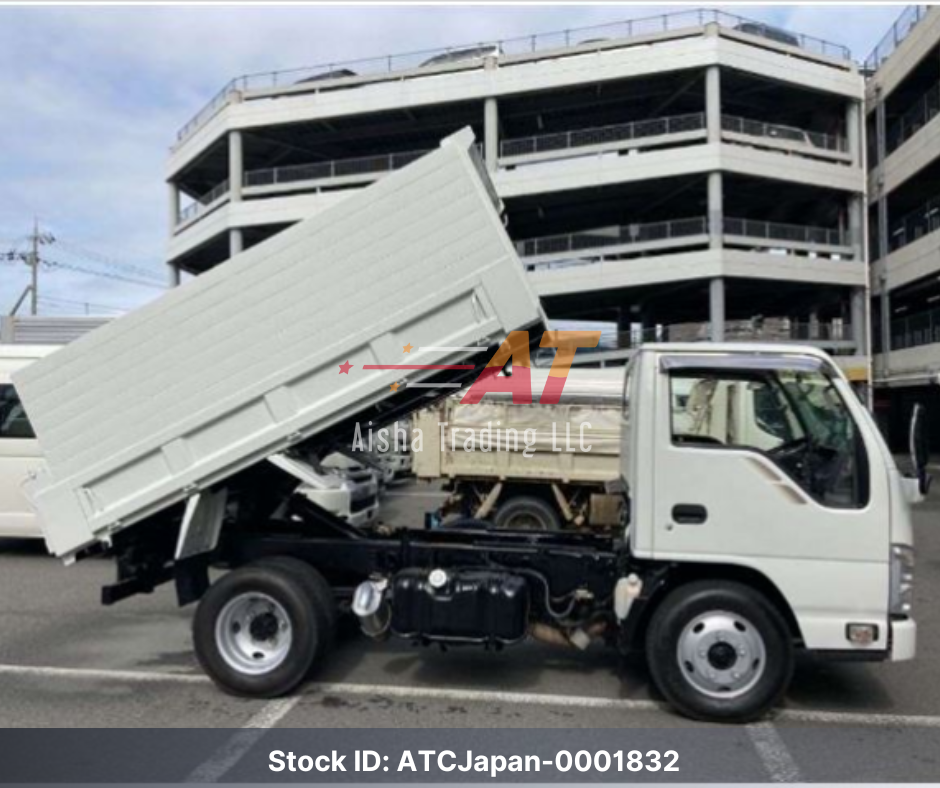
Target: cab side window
(13, 420)
(731, 411)
(798, 420)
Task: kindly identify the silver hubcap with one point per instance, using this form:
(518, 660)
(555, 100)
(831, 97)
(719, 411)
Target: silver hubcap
(253, 633)
(721, 654)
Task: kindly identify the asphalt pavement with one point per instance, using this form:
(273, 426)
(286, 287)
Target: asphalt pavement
(65, 661)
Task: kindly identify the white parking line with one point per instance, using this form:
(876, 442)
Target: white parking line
(773, 753)
(45, 671)
(230, 753)
(865, 719)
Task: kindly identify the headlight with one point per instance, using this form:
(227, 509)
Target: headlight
(902, 579)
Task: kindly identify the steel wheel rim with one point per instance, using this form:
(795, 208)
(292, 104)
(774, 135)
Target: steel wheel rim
(253, 633)
(721, 654)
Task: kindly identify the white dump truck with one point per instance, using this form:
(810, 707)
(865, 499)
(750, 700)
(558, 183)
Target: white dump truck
(528, 466)
(349, 493)
(731, 557)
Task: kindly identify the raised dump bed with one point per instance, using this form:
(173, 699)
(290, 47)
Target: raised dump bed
(244, 361)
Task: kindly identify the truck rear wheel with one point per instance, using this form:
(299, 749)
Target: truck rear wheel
(719, 651)
(319, 591)
(257, 631)
(526, 513)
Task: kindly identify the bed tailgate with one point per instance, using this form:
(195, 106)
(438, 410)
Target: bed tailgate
(245, 360)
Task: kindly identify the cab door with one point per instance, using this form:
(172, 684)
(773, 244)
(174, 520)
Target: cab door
(759, 463)
(19, 455)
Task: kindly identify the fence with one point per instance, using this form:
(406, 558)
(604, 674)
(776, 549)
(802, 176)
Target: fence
(365, 165)
(916, 224)
(769, 329)
(900, 30)
(678, 229)
(204, 203)
(915, 330)
(756, 128)
(613, 236)
(472, 54)
(914, 119)
(794, 233)
(602, 135)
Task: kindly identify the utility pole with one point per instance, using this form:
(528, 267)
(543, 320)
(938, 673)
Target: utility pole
(32, 259)
(34, 270)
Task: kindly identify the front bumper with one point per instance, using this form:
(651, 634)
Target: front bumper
(364, 517)
(903, 639)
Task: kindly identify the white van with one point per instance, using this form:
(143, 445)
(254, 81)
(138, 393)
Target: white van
(19, 449)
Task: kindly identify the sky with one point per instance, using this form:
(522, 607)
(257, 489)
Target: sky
(91, 99)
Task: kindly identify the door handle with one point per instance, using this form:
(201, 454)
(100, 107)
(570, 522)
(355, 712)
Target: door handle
(689, 514)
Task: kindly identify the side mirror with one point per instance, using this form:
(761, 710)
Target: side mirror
(919, 446)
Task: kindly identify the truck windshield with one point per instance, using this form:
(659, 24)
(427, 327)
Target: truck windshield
(797, 419)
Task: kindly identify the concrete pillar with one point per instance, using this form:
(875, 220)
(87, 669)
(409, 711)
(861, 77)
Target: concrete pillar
(713, 103)
(235, 242)
(853, 133)
(716, 309)
(885, 326)
(882, 197)
(856, 227)
(236, 165)
(491, 134)
(715, 210)
(813, 324)
(859, 328)
(174, 193)
(882, 206)
(173, 274)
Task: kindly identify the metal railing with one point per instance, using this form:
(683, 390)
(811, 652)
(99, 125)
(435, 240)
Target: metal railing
(757, 128)
(793, 233)
(914, 119)
(766, 329)
(891, 40)
(612, 236)
(678, 229)
(916, 330)
(325, 170)
(602, 135)
(326, 75)
(915, 225)
(203, 203)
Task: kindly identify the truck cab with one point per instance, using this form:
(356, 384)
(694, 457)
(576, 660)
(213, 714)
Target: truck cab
(759, 464)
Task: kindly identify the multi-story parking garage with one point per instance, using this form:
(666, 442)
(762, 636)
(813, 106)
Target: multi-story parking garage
(903, 102)
(694, 175)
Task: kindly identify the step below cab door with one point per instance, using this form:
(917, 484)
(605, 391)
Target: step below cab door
(759, 462)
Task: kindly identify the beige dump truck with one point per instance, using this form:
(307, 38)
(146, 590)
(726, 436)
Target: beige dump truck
(540, 467)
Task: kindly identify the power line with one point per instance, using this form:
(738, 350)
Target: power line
(103, 274)
(98, 257)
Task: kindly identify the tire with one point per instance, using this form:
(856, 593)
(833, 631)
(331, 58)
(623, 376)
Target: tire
(527, 513)
(319, 590)
(697, 644)
(257, 632)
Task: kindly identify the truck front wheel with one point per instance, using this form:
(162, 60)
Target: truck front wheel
(257, 632)
(719, 651)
